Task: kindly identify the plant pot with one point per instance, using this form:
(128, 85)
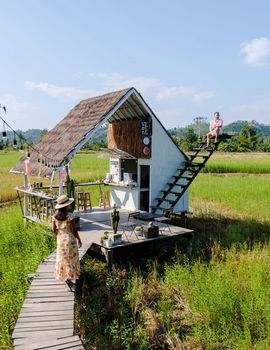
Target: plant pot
(108, 243)
(151, 232)
(116, 238)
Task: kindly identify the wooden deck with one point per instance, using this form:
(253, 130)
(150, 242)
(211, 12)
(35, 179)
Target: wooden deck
(46, 320)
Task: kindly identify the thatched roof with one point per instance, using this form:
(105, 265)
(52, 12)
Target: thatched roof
(66, 135)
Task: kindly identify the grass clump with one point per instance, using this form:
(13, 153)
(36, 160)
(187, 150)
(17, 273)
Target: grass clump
(222, 304)
(23, 247)
(231, 295)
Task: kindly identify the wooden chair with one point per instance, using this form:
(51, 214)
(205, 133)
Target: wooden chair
(83, 201)
(80, 200)
(104, 198)
(87, 201)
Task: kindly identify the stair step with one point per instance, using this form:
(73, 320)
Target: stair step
(165, 200)
(194, 171)
(190, 163)
(157, 208)
(173, 184)
(189, 170)
(175, 193)
(182, 177)
(200, 155)
(166, 192)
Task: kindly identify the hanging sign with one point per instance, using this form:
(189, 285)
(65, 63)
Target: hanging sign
(115, 169)
(146, 135)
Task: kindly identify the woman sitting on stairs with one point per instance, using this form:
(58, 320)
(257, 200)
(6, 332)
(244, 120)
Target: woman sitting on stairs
(215, 128)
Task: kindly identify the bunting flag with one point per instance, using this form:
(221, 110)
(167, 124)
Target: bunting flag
(40, 166)
(28, 171)
(51, 179)
(69, 167)
(63, 175)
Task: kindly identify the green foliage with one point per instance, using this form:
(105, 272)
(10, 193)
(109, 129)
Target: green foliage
(230, 296)
(222, 304)
(23, 246)
(188, 141)
(247, 139)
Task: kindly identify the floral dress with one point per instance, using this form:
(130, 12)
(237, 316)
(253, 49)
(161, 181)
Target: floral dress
(67, 257)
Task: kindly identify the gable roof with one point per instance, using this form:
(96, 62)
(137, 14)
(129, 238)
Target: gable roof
(70, 134)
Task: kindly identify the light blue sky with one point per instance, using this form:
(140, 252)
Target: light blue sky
(187, 58)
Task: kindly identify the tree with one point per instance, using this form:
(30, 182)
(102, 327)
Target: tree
(199, 121)
(248, 139)
(189, 140)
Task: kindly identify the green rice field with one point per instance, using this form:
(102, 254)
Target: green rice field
(234, 188)
(249, 163)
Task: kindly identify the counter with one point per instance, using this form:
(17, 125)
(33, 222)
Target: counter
(124, 196)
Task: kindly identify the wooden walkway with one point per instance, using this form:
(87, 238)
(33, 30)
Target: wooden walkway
(46, 320)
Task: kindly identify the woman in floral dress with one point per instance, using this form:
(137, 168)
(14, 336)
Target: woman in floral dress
(67, 267)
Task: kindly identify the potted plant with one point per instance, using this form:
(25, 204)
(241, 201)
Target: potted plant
(116, 237)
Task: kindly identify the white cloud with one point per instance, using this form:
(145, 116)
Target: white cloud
(184, 92)
(251, 108)
(16, 104)
(257, 52)
(115, 81)
(69, 93)
(152, 85)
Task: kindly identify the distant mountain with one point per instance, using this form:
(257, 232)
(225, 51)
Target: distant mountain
(31, 135)
(234, 127)
(34, 135)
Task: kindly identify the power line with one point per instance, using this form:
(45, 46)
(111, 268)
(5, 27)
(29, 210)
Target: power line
(45, 161)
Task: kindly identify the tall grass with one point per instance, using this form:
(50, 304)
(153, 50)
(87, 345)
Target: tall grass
(250, 163)
(230, 297)
(223, 304)
(234, 197)
(23, 246)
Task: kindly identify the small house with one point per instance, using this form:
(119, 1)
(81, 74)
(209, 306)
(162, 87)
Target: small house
(144, 159)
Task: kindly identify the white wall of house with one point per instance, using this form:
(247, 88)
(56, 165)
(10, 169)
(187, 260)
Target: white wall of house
(165, 160)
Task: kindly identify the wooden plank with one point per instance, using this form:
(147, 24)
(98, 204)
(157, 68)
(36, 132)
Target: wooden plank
(49, 293)
(45, 287)
(41, 318)
(50, 300)
(67, 346)
(44, 341)
(45, 324)
(31, 307)
(40, 346)
(45, 282)
(43, 314)
(45, 333)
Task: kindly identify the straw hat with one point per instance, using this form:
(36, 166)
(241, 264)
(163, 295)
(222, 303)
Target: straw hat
(63, 201)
